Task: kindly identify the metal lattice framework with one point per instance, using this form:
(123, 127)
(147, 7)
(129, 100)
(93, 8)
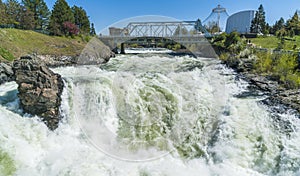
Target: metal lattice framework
(160, 29)
(215, 15)
(151, 33)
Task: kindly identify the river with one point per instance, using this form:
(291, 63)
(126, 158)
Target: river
(150, 114)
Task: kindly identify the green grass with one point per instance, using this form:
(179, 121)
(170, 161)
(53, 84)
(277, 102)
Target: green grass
(271, 42)
(23, 42)
(6, 54)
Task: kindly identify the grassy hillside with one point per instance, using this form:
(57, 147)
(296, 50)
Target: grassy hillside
(272, 42)
(15, 43)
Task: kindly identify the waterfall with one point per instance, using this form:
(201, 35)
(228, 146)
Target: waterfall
(150, 114)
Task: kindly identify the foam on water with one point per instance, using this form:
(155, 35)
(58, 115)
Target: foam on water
(208, 132)
(147, 50)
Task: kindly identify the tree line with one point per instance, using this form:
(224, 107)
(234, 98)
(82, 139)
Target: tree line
(63, 20)
(281, 28)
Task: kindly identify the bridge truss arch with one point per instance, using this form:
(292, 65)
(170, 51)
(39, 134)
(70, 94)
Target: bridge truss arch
(186, 33)
(161, 29)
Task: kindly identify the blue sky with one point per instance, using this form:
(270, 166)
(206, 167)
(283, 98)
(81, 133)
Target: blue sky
(105, 12)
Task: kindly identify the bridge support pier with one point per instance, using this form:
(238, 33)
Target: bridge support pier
(122, 48)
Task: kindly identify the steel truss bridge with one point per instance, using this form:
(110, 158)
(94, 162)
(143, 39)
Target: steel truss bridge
(151, 33)
(161, 29)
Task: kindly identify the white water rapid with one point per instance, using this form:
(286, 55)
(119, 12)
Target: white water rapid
(150, 114)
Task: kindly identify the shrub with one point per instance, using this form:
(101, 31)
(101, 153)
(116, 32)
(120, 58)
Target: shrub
(245, 53)
(285, 64)
(134, 45)
(177, 46)
(70, 29)
(282, 67)
(85, 38)
(292, 80)
(231, 39)
(224, 56)
(264, 62)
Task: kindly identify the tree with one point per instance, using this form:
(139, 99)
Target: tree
(281, 33)
(267, 29)
(26, 19)
(277, 26)
(293, 24)
(17, 15)
(70, 28)
(180, 31)
(81, 19)
(93, 31)
(3, 16)
(258, 24)
(198, 25)
(213, 27)
(12, 9)
(40, 11)
(61, 13)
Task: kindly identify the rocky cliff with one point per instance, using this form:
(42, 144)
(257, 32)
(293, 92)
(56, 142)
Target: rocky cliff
(39, 89)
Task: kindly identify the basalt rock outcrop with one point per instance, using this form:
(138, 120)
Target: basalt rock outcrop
(39, 89)
(6, 73)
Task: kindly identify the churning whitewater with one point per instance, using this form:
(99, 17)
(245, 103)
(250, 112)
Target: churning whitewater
(150, 114)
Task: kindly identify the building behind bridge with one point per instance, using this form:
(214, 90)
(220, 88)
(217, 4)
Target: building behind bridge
(240, 22)
(113, 31)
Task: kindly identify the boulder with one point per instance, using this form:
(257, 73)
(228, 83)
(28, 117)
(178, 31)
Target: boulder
(39, 89)
(95, 52)
(6, 73)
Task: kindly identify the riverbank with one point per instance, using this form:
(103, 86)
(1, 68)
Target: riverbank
(278, 97)
(274, 74)
(52, 51)
(16, 43)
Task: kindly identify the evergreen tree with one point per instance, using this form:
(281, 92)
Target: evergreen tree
(277, 26)
(81, 19)
(93, 31)
(40, 11)
(3, 16)
(267, 29)
(212, 27)
(180, 31)
(12, 9)
(199, 27)
(26, 19)
(258, 24)
(293, 24)
(17, 15)
(61, 13)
